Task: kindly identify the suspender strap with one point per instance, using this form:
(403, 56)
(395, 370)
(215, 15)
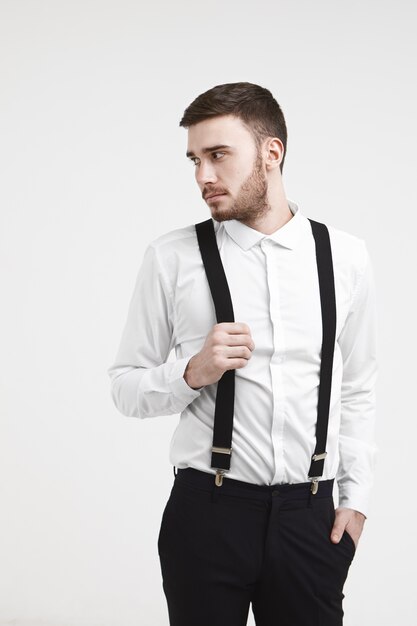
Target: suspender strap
(224, 408)
(225, 395)
(328, 314)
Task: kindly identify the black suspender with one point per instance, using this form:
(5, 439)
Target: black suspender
(328, 317)
(225, 398)
(224, 407)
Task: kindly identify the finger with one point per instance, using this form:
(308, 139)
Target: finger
(241, 340)
(236, 352)
(234, 364)
(337, 530)
(235, 327)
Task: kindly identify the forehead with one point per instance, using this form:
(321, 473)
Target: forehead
(220, 130)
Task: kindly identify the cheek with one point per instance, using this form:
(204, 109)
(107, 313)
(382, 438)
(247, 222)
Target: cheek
(233, 178)
(242, 171)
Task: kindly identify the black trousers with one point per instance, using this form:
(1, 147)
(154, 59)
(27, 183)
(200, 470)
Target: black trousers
(223, 548)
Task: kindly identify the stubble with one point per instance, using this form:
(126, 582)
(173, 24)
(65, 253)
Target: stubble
(252, 200)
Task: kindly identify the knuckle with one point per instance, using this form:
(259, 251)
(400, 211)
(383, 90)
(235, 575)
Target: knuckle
(216, 336)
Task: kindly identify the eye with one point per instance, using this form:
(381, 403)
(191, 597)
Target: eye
(193, 160)
(214, 153)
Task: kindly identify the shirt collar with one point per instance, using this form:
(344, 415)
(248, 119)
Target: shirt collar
(286, 236)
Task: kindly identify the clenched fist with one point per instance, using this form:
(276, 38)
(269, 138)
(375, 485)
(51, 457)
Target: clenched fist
(228, 346)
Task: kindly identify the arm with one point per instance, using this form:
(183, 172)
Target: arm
(142, 383)
(357, 342)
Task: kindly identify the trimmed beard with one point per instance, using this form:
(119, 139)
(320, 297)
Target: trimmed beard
(251, 201)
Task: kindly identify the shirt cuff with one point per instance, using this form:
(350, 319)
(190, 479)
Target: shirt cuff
(354, 498)
(177, 384)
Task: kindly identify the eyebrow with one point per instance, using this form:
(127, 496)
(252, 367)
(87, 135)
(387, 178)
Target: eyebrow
(209, 149)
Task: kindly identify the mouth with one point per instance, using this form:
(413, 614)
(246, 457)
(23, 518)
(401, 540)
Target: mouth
(215, 196)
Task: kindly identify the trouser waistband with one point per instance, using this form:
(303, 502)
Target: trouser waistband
(205, 480)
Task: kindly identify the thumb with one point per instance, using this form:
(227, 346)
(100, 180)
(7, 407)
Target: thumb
(337, 530)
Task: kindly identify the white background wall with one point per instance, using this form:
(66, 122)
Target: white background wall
(92, 168)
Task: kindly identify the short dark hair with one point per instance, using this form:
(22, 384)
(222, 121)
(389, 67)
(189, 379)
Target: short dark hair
(254, 105)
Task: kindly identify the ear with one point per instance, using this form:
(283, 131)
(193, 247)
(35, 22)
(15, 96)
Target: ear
(274, 153)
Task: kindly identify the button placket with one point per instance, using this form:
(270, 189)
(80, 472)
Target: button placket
(277, 358)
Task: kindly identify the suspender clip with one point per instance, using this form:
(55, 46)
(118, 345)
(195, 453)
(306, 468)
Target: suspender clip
(221, 450)
(314, 485)
(319, 457)
(219, 477)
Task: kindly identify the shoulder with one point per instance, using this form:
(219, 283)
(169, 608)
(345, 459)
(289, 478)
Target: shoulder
(348, 249)
(174, 243)
(350, 260)
(174, 237)
(174, 254)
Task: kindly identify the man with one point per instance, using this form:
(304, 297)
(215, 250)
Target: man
(251, 522)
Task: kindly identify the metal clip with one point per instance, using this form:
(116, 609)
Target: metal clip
(319, 457)
(221, 450)
(219, 477)
(314, 486)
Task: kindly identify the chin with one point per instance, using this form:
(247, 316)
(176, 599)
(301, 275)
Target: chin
(222, 217)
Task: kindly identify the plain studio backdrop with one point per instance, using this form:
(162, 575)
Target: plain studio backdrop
(93, 168)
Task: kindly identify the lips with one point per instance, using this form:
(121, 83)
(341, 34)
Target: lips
(215, 195)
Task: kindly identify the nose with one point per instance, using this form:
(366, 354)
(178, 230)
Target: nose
(205, 173)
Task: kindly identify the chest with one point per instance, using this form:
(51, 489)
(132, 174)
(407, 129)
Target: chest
(275, 290)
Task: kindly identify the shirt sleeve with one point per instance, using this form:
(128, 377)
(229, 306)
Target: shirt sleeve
(358, 343)
(143, 384)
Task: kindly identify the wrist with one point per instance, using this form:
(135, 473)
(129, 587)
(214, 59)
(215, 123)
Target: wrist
(188, 377)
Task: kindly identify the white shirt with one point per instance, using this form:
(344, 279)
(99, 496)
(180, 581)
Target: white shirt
(274, 287)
